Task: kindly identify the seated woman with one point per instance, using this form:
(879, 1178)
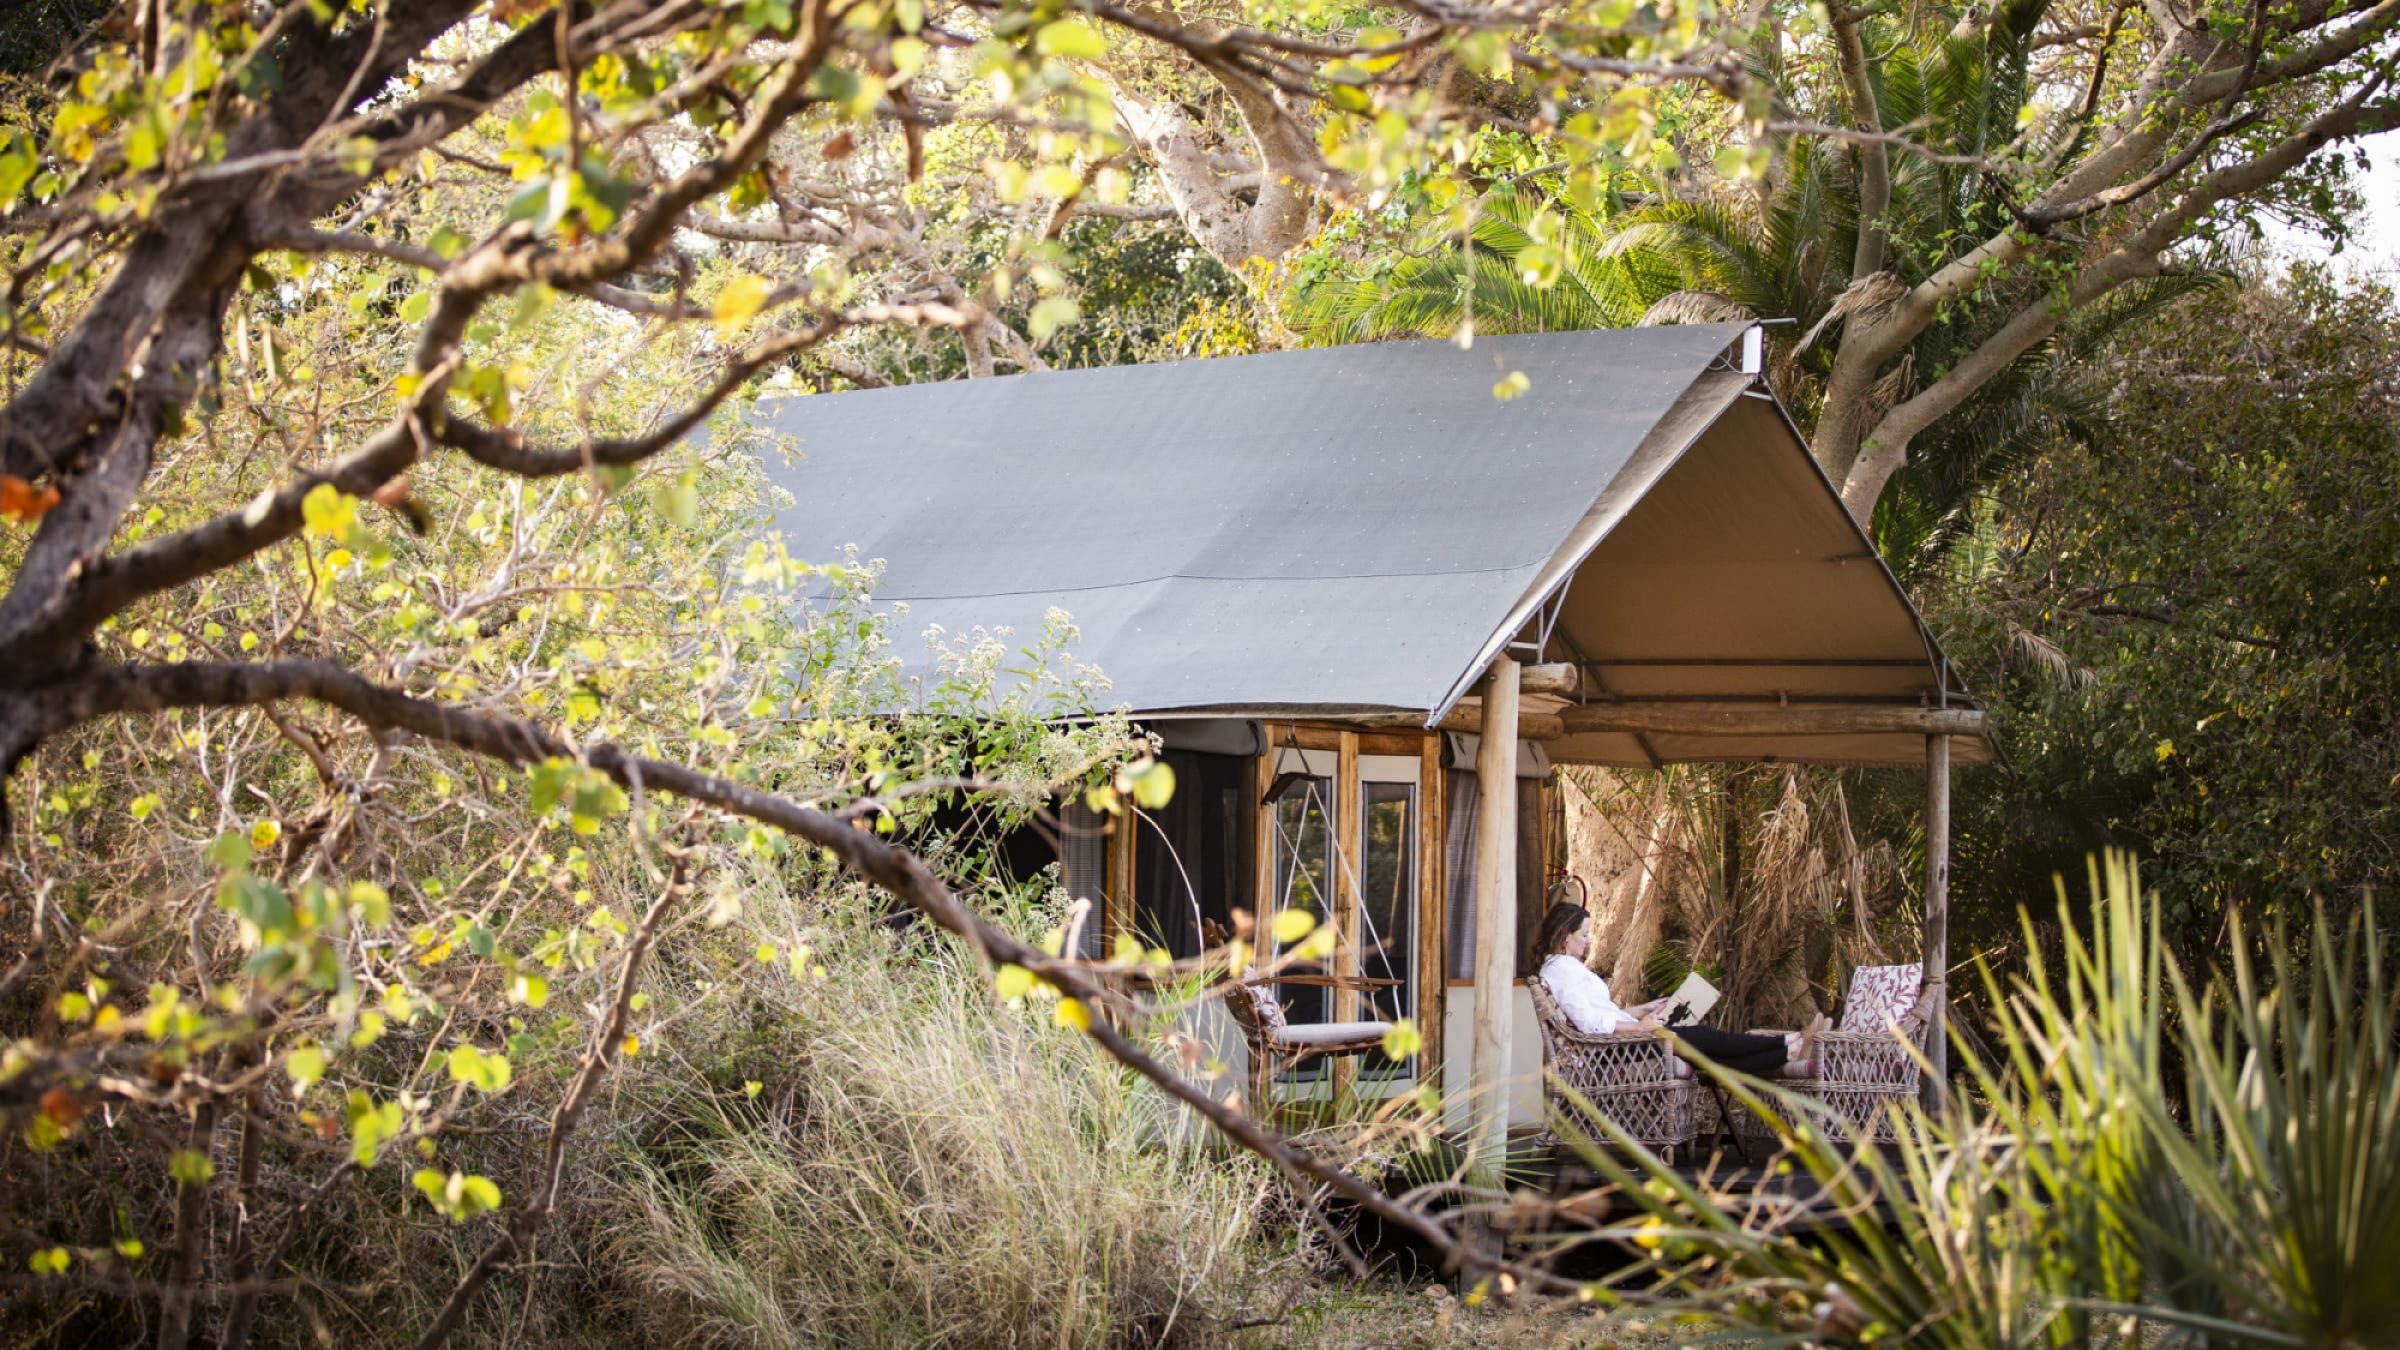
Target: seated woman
(1583, 996)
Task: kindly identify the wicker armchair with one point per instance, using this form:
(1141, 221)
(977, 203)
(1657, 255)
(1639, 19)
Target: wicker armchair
(1277, 1047)
(1632, 1077)
(1868, 1064)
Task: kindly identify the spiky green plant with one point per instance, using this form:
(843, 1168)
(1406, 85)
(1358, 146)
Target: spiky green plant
(2143, 1161)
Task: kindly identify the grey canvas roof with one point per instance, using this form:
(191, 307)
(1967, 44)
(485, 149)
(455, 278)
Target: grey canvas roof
(1355, 529)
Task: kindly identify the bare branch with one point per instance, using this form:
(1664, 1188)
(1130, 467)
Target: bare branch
(506, 448)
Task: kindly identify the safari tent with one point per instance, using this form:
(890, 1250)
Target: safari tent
(1369, 606)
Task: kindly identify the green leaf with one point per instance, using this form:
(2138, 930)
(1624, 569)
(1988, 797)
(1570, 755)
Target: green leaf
(1511, 386)
(230, 850)
(370, 1126)
(17, 165)
(458, 1195)
(1403, 1039)
(1051, 313)
(191, 1167)
(549, 784)
(486, 1073)
(679, 500)
(306, 1064)
(373, 903)
(256, 901)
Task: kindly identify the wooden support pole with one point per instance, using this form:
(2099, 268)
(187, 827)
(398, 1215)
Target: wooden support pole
(1495, 916)
(1767, 719)
(1937, 919)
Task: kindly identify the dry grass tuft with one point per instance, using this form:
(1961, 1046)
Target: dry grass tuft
(930, 1167)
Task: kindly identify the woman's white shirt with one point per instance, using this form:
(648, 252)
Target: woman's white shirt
(1583, 996)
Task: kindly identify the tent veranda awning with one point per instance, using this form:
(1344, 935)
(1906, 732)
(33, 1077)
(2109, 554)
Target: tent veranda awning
(1358, 530)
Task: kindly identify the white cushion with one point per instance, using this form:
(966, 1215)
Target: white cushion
(1317, 1034)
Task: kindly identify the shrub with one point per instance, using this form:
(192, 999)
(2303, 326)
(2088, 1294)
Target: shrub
(2143, 1158)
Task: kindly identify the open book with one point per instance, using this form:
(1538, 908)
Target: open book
(1690, 1002)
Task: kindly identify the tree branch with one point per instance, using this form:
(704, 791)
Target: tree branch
(2138, 256)
(509, 740)
(1874, 160)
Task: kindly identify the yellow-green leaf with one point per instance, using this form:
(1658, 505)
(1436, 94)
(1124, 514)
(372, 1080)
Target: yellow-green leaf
(1153, 785)
(306, 1065)
(489, 1073)
(1071, 39)
(1014, 982)
(741, 299)
(1291, 925)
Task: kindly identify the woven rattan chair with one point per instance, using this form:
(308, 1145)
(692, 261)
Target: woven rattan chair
(1631, 1077)
(1278, 1047)
(1867, 1065)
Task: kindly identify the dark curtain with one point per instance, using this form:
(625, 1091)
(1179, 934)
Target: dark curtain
(1192, 857)
(1459, 852)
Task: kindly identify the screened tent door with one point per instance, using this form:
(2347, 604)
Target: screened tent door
(1343, 842)
(1390, 819)
(1301, 863)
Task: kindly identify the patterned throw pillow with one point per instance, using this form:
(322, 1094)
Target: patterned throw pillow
(1881, 995)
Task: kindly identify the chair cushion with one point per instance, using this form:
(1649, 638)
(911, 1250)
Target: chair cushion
(1266, 1014)
(1881, 995)
(1316, 1035)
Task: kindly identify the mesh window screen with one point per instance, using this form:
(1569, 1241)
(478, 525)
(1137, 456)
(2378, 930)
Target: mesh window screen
(1302, 863)
(1387, 931)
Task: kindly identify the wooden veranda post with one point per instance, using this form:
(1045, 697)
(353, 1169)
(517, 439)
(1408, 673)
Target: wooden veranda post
(1495, 910)
(1937, 918)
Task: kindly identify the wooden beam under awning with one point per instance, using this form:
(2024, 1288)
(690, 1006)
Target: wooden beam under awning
(1666, 718)
(1766, 719)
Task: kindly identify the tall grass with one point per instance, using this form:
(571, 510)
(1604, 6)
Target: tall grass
(926, 1166)
(2147, 1158)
